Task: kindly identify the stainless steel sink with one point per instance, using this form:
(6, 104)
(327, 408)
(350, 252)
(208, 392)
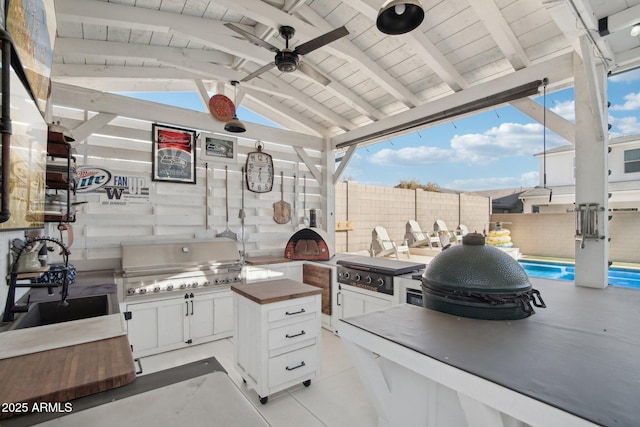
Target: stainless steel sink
(50, 312)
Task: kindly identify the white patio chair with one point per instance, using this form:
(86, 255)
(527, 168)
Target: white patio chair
(416, 238)
(382, 245)
(461, 231)
(447, 236)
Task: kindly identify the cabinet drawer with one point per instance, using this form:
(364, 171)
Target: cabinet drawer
(294, 309)
(296, 333)
(293, 366)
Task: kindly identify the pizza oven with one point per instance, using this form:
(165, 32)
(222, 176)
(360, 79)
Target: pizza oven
(309, 244)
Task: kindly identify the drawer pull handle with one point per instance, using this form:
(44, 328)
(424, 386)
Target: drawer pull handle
(295, 367)
(302, 332)
(302, 310)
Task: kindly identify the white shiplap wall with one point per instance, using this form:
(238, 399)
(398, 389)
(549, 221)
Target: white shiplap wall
(178, 211)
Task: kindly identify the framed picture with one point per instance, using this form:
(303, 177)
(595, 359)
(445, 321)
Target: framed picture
(218, 147)
(173, 154)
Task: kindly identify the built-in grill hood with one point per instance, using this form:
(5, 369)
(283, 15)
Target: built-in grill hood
(156, 257)
(152, 268)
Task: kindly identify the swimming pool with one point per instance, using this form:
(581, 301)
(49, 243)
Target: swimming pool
(622, 277)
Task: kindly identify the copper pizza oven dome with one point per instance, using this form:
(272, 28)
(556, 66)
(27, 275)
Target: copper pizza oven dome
(309, 243)
(478, 281)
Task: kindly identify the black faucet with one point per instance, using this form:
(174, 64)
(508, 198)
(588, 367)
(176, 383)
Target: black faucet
(10, 307)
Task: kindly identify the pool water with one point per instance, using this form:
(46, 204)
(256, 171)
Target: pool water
(625, 278)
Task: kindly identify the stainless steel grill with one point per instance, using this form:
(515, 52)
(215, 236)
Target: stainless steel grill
(155, 268)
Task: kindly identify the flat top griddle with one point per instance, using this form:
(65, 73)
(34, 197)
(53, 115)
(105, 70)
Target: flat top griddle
(391, 267)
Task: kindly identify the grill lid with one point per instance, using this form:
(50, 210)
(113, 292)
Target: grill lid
(159, 257)
(478, 281)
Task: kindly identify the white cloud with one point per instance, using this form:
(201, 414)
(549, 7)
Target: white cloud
(527, 179)
(506, 140)
(632, 102)
(627, 125)
(565, 109)
(530, 179)
(411, 156)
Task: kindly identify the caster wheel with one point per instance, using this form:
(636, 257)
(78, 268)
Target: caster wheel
(264, 400)
(306, 383)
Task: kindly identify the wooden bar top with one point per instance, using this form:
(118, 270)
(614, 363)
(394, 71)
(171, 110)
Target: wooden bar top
(66, 373)
(275, 290)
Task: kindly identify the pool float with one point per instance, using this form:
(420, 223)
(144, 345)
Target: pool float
(499, 233)
(498, 240)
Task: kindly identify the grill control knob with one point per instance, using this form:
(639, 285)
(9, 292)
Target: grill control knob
(206, 283)
(346, 274)
(156, 289)
(356, 277)
(367, 280)
(131, 291)
(170, 287)
(380, 281)
(142, 290)
(194, 285)
(183, 285)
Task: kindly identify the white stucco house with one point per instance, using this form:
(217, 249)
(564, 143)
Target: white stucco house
(559, 195)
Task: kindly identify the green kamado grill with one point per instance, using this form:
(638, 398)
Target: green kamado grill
(478, 281)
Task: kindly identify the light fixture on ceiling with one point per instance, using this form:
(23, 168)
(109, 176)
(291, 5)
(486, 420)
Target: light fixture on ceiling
(399, 16)
(635, 30)
(235, 125)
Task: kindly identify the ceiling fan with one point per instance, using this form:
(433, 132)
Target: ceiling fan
(287, 60)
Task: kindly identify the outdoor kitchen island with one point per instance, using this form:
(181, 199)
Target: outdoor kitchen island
(572, 364)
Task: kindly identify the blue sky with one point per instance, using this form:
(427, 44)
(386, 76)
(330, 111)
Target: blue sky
(491, 150)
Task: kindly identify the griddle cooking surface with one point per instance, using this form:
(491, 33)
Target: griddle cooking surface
(381, 265)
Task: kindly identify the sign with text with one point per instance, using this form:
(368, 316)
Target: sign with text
(114, 189)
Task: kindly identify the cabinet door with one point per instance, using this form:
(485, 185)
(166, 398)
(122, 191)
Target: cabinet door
(157, 326)
(201, 322)
(223, 314)
(355, 303)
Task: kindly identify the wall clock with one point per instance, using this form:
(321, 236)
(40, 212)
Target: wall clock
(259, 167)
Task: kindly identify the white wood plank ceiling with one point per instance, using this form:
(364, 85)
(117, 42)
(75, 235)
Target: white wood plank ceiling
(463, 51)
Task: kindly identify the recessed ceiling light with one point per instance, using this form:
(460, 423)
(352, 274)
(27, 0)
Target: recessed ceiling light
(635, 30)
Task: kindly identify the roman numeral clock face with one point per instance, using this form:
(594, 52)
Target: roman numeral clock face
(259, 168)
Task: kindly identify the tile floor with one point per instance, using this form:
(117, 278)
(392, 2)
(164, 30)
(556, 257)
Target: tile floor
(337, 398)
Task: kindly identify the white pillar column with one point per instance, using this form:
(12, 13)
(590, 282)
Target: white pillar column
(591, 164)
(329, 190)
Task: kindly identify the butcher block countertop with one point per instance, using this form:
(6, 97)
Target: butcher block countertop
(64, 361)
(275, 290)
(66, 373)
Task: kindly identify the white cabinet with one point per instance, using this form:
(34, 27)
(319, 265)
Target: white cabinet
(168, 324)
(355, 302)
(277, 334)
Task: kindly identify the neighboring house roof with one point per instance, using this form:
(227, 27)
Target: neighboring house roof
(571, 147)
(496, 194)
(510, 201)
(571, 189)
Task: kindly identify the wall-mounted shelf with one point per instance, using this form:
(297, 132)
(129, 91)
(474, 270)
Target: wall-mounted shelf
(60, 180)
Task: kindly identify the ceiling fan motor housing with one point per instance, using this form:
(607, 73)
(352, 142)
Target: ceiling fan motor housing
(287, 61)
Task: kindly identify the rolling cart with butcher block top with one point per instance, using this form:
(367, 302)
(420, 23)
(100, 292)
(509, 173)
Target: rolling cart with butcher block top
(277, 334)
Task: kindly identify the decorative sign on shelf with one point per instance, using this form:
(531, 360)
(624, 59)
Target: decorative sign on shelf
(173, 154)
(218, 147)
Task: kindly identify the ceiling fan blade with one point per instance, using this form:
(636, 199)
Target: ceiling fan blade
(313, 73)
(259, 71)
(252, 38)
(322, 40)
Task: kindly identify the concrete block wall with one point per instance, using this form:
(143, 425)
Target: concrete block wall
(553, 235)
(368, 206)
(624, 229)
